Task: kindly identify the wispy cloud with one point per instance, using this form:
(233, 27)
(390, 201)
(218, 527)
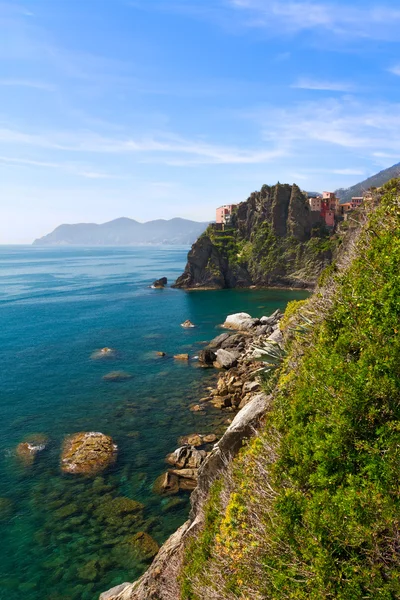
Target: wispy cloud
(164, 148)
(305, 83)
(39, 85)
(68, 168)
(373, 21)
(395, 70)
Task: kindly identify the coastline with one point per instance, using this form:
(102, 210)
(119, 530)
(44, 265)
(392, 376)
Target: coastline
(239, 394)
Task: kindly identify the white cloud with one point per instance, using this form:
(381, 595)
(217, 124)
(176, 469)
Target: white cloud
(331, 86)
(69, 168)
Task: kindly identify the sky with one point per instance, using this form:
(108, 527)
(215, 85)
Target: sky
(162, 108)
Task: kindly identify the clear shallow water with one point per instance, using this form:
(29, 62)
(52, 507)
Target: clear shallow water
(57, 306)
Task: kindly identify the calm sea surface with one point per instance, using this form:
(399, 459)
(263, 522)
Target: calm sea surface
(57, 306)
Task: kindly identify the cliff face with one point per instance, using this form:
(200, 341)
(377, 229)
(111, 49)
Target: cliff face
(267, 243)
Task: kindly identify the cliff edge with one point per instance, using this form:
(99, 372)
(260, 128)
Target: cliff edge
(273, 239)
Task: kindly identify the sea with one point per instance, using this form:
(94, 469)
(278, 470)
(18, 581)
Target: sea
(58, 307)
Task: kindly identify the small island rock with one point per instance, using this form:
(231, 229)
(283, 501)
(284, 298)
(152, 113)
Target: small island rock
(87, 453)
(28, 450)
(181, 356)
(187, 324)
(160, 283)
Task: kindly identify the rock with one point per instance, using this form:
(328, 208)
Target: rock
(144, 544)
(181, 357)
(193, 439)
(187, 324)
(115, 592)
(251, 386)
(87, 453)
(166, 484)
(240, 321)
(207, 357)
(197, 408)
(185, 474)
(276, 337)
(161, 354)
(218, 341)
(160, 283)
(104, 353)
(226, 359)
(28, 450)
(233, 341)
(117, 376)
(114, 511)
(186, 456)
(209, 438)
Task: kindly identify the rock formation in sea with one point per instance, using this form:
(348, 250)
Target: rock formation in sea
(273, 239)
(87, 453)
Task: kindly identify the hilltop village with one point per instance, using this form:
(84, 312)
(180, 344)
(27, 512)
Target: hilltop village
(326, 205)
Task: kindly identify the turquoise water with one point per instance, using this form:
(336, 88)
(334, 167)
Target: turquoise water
(57, 306)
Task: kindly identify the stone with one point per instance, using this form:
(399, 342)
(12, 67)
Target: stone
(194, 439)
(240, 321)
(88, 453)
(187, 324)
(181, 357)
(197, 408)
(166, 484)
(115, 592)
(117, 376)
(209, 438)
(161, 354)
(160, 283)
(28, 450)
(186, 456)
(218, 341)
(226, 359)
(207, 357)
(185, 473)
(251, 386)
(233, 341)
(276, 337)
(103, 353)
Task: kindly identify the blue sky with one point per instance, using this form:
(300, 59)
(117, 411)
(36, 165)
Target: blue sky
(163, 108)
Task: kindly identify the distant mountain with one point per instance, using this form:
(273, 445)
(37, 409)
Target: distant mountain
(124, 232)
(345, 194)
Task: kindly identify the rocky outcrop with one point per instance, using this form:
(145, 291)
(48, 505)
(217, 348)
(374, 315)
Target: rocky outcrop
(266, 244)
(159, 283)
(198, 470)
(87, 453)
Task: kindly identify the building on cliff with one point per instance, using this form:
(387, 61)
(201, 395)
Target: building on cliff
(328, 206)
(224, 214)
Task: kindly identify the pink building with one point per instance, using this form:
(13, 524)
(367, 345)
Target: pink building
(224, 213)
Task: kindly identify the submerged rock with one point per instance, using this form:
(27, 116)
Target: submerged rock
(166, 484)
(87, 453)
(181, 357)
(28, 450)
(117, 376)
(158, 353)
(187, 324)
(103, 353)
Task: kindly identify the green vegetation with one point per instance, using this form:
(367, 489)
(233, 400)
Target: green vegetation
(311, 507)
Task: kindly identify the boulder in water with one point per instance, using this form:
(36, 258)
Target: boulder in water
(28, 450)
(181, 356)
(87, 453)
(187, 324)
(166, 484)
(159, 283)
(104, 353)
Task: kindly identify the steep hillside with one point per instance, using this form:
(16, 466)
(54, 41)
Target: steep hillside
(273, 239)
(346, 194)
(310, 507)
(124, 232)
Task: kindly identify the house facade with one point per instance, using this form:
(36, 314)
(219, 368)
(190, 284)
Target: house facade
(224, 213)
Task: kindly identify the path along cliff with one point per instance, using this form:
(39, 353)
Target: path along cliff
(273, 239)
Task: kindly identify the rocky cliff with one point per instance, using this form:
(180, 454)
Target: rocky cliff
(273, 239)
